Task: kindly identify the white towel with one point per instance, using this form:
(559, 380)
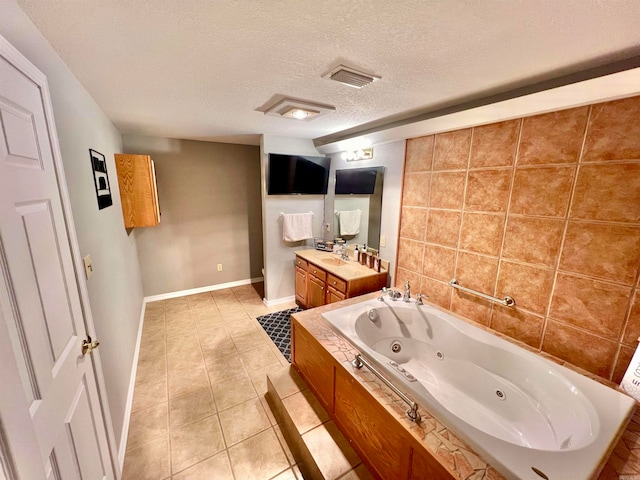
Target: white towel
(296, 226)
(349, 222)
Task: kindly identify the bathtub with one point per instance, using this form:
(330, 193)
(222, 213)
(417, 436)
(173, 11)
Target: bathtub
(530, 418)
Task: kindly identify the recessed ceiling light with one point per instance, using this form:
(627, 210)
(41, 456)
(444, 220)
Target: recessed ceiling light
(299, 109)
(350, 76)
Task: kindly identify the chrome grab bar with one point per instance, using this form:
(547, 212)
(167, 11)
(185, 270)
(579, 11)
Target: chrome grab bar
(412, 412)
(507, 301)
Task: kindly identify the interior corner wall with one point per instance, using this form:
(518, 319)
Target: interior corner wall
(115, 289)
(279, 271)
(391, 156)
(209, 196)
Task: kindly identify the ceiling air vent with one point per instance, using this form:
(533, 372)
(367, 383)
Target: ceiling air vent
(350, 76)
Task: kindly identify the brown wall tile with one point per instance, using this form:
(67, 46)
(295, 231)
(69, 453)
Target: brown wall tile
(613, 132)
(518, 324)
(584, 350)
(439, 293)
(413, 223)
(403, 276)
(471, 307)
(415, 191)
(554, 137)
(439, 262)
(632, 330)
(482, 233)
(451, 150)
(529, 286)
(419, 154)
(595, 306)
(623, 361)
(443, 227)
(533, 240)
(410, 253)
(477, 272)
(447, 189)
(608, 192)
(542, 191)
(494, 145)
(607, 251)
(488, 190)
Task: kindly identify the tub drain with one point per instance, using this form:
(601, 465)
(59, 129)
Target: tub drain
(501, 395)
(440, 355)
(396, 347)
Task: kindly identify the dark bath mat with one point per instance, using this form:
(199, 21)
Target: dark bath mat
(278, 327)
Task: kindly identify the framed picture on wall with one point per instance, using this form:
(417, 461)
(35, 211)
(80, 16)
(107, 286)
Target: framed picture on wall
(100, 179)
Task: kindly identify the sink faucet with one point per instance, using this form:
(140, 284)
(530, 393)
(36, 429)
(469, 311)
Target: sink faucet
(407, 292)
(393, 294)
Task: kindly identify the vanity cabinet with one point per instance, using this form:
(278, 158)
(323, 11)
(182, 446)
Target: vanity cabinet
(138, 192)
(317, 286)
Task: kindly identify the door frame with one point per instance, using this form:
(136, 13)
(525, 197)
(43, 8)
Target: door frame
(21, 63)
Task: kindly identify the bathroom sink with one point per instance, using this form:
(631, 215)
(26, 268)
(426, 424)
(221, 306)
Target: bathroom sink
(336, 262)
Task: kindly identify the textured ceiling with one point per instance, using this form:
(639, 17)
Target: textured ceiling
(203, 69)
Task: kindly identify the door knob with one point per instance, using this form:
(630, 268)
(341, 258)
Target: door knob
(88, 345)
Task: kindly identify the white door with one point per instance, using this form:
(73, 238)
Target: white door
(51, 419)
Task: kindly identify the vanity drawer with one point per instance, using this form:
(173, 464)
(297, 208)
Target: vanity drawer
(336, 283)
(300, 263)
(317, 272)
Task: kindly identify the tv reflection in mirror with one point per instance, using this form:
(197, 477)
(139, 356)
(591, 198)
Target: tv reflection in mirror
(297, 175)
(360, 189)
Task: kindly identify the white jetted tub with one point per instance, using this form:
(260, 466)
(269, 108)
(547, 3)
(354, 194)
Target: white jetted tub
(528, 417)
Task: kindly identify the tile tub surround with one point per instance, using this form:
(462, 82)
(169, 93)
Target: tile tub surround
(198, 408)
(449, 450)
(545, 209)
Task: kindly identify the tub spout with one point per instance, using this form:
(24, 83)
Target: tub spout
(393, 294)
(407, 292)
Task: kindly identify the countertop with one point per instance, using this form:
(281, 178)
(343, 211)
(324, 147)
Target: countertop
(449, 450)
(348, 271)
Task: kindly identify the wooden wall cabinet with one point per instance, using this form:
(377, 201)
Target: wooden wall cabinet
(138, 191)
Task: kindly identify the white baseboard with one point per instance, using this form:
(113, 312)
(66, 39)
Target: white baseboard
(210, 288)
(132, 383)
(271, 303)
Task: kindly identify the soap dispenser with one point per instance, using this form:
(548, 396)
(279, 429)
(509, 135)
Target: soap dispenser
(356, 254)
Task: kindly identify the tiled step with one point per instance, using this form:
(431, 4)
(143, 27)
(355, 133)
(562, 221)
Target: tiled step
(322, 452)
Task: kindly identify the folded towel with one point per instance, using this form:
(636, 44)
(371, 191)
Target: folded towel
(349, 222)
(296, 226)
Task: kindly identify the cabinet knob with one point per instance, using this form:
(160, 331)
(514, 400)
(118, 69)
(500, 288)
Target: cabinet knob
(334, 283)
(315, 271)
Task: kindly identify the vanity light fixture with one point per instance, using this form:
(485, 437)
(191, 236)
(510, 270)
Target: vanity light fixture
(299, 109)
(360, 154)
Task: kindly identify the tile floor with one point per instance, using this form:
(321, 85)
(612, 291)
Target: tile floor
(199, 410)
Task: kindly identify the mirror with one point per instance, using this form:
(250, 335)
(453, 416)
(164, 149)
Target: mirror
(358, 190)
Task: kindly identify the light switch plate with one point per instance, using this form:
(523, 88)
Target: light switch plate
(88, 267)
(383, 241)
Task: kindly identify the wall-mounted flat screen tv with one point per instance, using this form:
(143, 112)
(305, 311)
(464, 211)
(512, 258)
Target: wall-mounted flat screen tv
(356, 181)
(297, 175)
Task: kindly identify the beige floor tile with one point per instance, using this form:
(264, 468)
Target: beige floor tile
(206, 321)
(157, 306)
(305, 410)
(229, 306)
(216, 467)
(152, 348)
(259, 377)
(149, 394)
(191, 407)
(240, 327)
(286, 475)
(149, 461)
(225, 368)
(330, 450)
(289, 453)
(183, 381)
(243, 421)
(248, 339)
(233, 391)
(216, 344)
(195, 442)
(151, 371)
(258, 357)
(147, 424)
(286, 381)
(258, 457)
(183, 326)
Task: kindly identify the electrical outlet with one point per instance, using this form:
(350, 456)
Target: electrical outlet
(88, 267)
(219, 267)
(383, 241)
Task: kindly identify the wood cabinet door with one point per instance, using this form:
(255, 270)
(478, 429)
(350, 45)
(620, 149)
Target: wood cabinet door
(301, 286)
(315, 292)
(314, 363)
(425, 467)
(334, 296)
(376, 435)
